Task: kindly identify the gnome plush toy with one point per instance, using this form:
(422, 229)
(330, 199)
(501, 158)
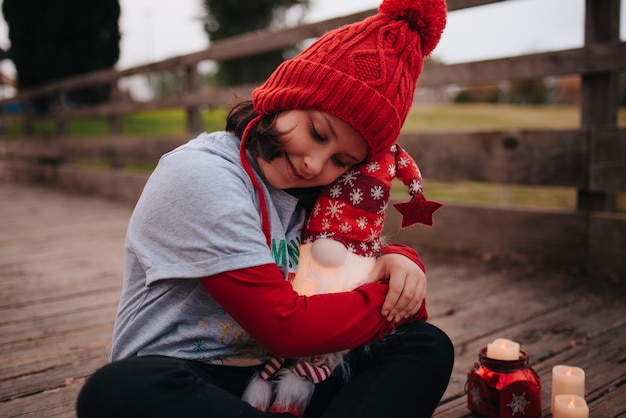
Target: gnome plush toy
(339, 247)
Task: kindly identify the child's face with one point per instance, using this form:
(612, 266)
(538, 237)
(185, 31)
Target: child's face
(317, 149)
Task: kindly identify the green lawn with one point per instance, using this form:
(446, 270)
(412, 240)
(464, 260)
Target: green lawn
(493, 117)
(426, 118)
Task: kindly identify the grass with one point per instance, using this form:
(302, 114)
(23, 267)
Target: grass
(422, 118)
(473, 117)
(170, 122)
(154, 123)
(502, 194)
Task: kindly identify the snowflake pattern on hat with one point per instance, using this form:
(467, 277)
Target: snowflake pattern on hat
(352, 209)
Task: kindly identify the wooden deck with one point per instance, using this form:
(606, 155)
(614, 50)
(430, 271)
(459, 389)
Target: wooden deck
(61, 266)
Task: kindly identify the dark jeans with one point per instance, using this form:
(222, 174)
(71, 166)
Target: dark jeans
(403, 375)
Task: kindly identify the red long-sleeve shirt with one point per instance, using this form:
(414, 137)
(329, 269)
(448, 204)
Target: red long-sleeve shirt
(290, 325)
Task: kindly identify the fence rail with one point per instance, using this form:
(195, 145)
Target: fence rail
(591, 159)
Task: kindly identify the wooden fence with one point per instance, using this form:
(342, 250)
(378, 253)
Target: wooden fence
(592, 159)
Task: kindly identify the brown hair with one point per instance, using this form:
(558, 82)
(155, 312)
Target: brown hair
(263, 139)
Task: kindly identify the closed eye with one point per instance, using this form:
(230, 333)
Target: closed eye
(316, 135)
(339, 162)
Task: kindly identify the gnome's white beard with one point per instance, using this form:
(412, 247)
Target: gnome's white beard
(326, 266)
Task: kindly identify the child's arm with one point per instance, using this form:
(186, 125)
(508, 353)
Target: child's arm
(289, 325)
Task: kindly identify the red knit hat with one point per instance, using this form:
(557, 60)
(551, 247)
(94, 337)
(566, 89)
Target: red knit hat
(352, 209)
(364, 73)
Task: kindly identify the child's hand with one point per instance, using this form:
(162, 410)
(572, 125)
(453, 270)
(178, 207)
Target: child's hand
(407, 285)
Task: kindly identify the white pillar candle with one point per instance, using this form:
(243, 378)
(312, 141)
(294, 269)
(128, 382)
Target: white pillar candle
(570, 406)
(567, 380)
(503, 349)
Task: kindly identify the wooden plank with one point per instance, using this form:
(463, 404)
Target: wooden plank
(23, 289)
(63, 322)
(113, 184)
(607, 245)
(57, 402)
(463, 4)
(116, 151)
(60, 306)
(547, 158)
(555, 239)
(74, 367)
(592, 59)
(611, 403)
(67, 257)
(607, 153)
(62, 348)
(555, 157)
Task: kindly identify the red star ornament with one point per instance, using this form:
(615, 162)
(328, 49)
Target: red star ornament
(418, 209)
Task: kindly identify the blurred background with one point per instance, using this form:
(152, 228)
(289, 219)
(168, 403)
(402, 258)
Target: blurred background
(153, 30)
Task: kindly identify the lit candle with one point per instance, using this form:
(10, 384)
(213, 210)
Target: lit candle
(503, 349)
(567, 380)
(570, 406)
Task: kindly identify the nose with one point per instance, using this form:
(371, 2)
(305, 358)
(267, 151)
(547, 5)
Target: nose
(313, 164)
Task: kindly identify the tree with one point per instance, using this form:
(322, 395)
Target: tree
(227, 18)
(51, 40)
(529, 91)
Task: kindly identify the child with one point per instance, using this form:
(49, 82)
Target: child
(215, 235)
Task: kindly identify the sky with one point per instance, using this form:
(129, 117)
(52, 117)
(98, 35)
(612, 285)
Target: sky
(157, 29)
(153, 30)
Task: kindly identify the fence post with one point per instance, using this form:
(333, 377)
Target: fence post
(193, 84)
(28, 124)
(62, 122)
(599, 98)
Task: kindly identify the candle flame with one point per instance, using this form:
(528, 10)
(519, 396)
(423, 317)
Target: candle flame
(568, 372)
(571, 404)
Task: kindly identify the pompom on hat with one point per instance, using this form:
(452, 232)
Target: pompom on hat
(363, 73)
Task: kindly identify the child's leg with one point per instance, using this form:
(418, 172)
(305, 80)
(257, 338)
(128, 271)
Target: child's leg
(155, 386)
(404, 375)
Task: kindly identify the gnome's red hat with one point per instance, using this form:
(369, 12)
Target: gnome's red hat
(352, 209)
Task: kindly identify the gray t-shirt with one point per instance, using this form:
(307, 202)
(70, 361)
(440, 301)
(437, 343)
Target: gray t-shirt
(198, 216)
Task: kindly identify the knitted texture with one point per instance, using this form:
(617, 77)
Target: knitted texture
(364, 73)
(352, 209)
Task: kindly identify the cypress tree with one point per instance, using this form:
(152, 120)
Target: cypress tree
(52, 40)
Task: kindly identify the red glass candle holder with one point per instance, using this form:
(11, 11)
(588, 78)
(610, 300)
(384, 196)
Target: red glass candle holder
(503, 388)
